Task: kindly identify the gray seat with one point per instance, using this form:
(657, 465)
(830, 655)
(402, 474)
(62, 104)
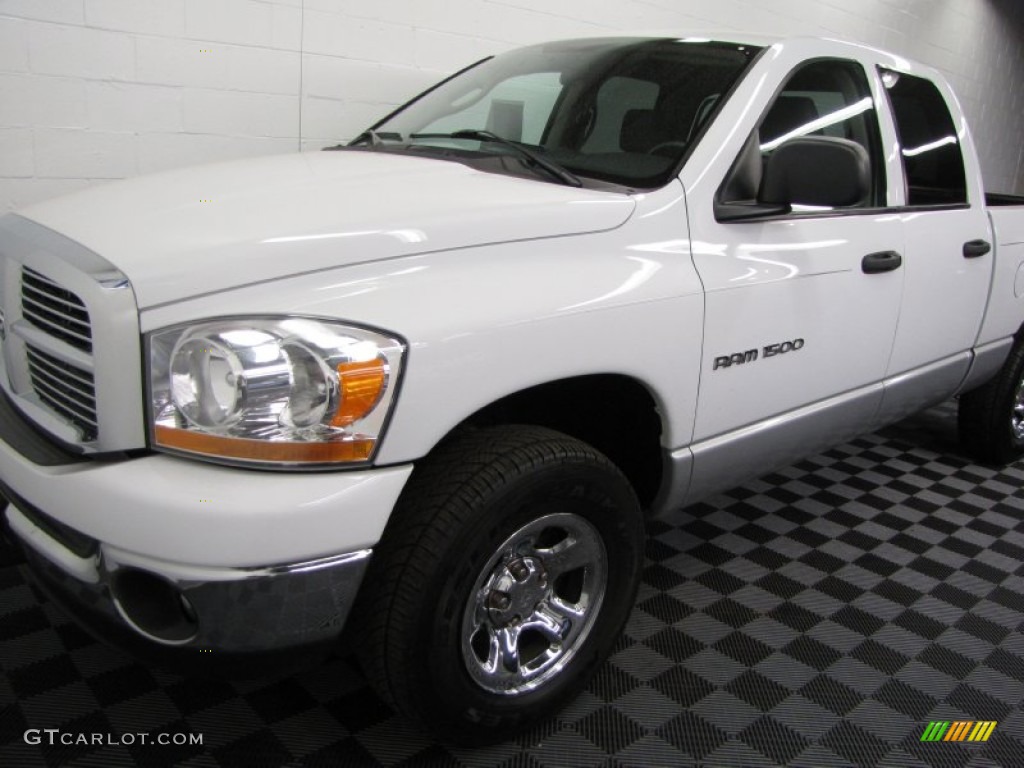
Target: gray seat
(786, 115)
(639, 132)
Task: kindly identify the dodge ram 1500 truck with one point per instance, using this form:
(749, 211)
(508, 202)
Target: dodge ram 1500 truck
(430, 383)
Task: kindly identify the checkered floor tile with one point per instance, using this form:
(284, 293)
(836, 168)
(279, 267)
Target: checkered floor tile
(821, 616)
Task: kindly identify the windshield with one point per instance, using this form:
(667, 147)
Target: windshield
(623, 111)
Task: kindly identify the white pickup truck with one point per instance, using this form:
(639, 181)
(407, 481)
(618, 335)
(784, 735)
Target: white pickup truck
(433, 381)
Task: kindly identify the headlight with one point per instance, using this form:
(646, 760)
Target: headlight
(272, 391)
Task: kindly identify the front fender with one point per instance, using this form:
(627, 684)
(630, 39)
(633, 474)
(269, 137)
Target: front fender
(485, 322)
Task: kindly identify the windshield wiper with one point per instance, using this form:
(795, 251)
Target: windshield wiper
(532, 158)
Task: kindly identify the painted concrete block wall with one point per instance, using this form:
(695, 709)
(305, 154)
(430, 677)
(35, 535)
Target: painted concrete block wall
(92, 90)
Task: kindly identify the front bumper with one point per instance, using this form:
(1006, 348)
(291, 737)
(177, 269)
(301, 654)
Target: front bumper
(196, 556)
(230, 610)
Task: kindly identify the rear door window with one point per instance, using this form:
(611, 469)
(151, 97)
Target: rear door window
(933, 161)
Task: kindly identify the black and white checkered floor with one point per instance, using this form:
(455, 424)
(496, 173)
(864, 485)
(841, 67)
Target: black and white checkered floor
(822, 616)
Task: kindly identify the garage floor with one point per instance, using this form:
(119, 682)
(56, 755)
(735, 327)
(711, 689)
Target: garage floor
(822, 616)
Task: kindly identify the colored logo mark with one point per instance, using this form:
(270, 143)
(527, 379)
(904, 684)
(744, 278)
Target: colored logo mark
(960, 730)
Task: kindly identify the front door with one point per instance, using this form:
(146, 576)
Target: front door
(800, 309)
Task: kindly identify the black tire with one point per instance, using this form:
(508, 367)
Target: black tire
(991, 417)
(443, 588)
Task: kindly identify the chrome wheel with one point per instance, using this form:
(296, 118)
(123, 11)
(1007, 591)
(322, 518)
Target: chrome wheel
(505, 574)
(1017, 419)
(534, 603)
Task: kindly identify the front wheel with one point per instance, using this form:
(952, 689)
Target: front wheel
(991, 417)
(507, 571)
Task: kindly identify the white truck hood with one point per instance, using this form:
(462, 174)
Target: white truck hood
(200, 230)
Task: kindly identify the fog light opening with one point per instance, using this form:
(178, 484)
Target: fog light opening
(154, 607)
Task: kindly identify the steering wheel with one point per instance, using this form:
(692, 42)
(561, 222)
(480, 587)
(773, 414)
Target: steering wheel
(666, 145)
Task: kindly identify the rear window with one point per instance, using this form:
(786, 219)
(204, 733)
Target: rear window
(933, 162)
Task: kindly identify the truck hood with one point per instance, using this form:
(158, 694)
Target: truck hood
(200, 230)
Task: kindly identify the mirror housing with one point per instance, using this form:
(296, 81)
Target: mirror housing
(744, 211)
(736, 199)
(823, 171)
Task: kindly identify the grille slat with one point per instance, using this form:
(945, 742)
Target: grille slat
(55, 319)
(58, 329)
(43, 379)
(62, 399)
(87, 427)
(54, 303)
(39, 278)
(55, 310)
(64, 388)
(75, 390)
(70, 410)
(84, 379)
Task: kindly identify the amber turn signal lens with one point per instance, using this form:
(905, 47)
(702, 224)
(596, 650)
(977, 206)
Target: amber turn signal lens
(362, 384)
(263, 450)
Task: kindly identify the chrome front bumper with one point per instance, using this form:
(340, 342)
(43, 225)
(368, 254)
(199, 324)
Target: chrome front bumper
(230, 610)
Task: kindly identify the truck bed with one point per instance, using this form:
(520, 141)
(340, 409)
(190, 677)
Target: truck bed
(998, 199)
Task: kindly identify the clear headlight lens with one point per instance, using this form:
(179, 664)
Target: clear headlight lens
(272, 390)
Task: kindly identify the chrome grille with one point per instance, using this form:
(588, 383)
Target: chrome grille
(55, 310)
(71, 358)
(64, 388)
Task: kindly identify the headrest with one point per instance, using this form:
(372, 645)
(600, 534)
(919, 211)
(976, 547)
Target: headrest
(638, 133)
(786, 115)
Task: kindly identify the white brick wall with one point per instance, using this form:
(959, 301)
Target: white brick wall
(101, 89)
(155, 17)
(16, 153)
(57, 49)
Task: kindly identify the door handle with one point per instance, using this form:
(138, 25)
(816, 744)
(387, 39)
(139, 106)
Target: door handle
(883, 261)
(975, 248)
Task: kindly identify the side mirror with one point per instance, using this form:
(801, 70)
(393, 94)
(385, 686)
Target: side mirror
(736, 199)
(822, 171)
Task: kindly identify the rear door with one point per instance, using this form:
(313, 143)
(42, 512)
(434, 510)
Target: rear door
(946, 262)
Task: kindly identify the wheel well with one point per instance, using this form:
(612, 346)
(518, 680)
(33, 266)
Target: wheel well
(613, 413)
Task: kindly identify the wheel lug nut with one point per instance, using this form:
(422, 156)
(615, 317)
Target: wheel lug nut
(519, 570)
(499, 600)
